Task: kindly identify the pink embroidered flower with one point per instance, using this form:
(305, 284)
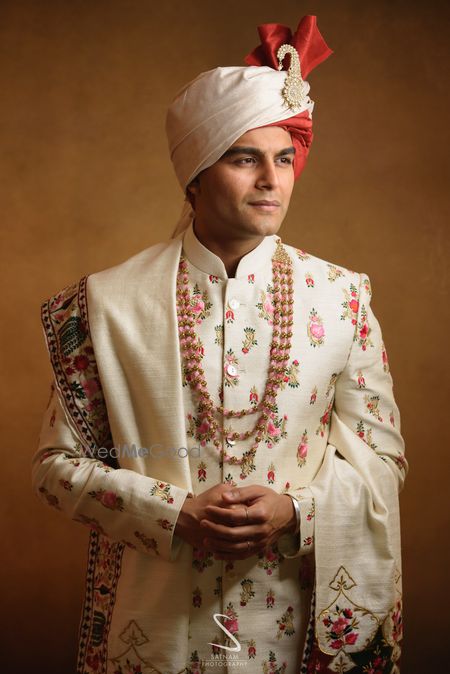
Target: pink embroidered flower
(268, 306)
(90, 386)
(317, 330)
(272, 429)
(204, 427)
(199, 306)
(253, 396)
(354, 305)
(270, 555)
(51, 498)
(302, 450)
(397, 630)
(251, 278)
(339, 625)
(56, 301)
(109, 499)
(351, 638)
(270, 476)
(337, 644)
(229, 315)
(363, 335)
(81, 363)
(231, 624)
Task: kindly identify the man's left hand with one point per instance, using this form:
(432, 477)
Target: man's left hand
(250, 520)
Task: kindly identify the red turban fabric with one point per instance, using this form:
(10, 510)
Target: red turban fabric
(312, 50)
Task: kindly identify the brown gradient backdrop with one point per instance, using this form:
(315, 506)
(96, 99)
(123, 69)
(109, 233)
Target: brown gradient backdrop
(86, 182)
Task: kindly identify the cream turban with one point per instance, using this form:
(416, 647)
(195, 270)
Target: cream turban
(212, 111)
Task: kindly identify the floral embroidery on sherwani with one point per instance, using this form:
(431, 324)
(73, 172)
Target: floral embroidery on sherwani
(316, 331)
(138, 566)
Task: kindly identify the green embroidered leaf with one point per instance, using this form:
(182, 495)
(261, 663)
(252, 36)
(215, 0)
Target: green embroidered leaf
(71, 335)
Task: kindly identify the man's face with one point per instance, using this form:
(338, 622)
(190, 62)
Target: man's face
(246, 193)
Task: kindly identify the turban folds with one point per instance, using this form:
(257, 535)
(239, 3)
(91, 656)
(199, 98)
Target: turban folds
(212, 111)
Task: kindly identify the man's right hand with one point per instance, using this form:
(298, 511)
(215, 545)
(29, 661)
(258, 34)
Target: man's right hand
(193, 511)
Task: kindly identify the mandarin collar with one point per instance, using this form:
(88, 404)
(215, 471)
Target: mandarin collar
(210, 263)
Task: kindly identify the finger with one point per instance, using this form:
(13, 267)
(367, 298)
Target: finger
(234, 517)
(242, 494)
(223, 550)
(231, 517)
(232, 534)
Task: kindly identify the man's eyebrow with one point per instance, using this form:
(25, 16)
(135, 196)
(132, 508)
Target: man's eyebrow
(240, 149)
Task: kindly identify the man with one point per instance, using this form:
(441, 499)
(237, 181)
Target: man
(222, 415)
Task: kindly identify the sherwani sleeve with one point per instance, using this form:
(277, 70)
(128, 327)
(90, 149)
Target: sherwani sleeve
(364, 402)
(364, 397)
(124, 505)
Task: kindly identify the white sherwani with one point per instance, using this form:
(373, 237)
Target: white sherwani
(334, 440)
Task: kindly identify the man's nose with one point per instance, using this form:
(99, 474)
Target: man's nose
(267, 176)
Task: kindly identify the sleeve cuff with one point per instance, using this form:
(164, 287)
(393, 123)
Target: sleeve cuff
(302, 543)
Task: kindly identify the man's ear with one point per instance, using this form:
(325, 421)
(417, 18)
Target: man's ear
(193, 186)
(192, 190)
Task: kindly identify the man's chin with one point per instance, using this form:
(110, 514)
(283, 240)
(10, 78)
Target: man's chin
(264, 226)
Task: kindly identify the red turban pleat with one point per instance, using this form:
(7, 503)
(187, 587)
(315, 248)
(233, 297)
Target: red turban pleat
(312, 50)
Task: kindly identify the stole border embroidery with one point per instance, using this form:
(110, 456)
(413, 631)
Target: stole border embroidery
(381, 651)
(66, 326)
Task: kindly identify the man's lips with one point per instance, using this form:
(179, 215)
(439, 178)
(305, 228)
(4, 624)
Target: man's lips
(265, 204)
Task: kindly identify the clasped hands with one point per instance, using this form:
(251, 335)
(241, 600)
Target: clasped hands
(235, 522)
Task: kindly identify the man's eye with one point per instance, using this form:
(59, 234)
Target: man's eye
(286, 160)
(245, 160)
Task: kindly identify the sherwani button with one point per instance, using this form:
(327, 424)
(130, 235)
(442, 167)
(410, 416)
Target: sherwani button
(231, 370)
(234, 303)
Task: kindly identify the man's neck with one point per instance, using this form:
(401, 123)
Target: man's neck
(229, 250)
